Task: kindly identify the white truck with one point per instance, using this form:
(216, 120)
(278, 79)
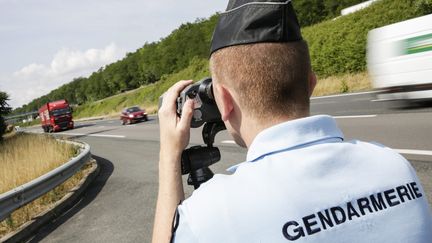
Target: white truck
(399, 60)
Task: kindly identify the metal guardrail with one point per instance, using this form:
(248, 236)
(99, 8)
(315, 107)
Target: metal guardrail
(20, 196)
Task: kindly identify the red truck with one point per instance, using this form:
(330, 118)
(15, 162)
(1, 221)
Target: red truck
(56, 116)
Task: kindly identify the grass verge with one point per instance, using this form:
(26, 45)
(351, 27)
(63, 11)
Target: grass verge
(24, 157)
(345, 83)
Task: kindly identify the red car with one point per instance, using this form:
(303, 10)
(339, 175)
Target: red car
(132, 115)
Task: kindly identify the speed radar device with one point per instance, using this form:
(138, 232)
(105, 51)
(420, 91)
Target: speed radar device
(196, 160)
(205, 109)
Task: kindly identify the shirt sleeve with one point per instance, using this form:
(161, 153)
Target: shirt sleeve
(182, 231)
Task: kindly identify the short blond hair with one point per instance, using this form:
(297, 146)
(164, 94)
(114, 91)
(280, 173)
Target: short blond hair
(271, 79)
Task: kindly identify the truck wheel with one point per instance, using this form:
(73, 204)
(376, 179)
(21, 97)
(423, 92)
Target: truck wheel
(50, 129)
(123, 122)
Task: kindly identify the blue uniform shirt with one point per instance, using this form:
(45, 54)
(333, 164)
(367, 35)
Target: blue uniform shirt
(303, 183)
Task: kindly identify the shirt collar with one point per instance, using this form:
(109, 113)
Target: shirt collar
(291, 134)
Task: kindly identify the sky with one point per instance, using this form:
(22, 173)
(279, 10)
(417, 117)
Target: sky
(47, 43)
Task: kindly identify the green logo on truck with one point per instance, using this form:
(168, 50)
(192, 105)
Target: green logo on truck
(418, 44)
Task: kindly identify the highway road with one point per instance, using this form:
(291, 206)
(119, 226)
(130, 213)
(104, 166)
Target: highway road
(119, 205)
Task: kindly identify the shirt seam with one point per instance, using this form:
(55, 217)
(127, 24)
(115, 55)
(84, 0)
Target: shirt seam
(306, 144)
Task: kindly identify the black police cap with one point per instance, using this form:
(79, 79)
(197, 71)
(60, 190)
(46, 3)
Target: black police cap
(256, 21)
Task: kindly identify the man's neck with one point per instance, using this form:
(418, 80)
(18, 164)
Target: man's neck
(250, 128)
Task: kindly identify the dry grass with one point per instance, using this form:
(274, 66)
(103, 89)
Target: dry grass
(25, 157)
(46, 202)
(343, 84)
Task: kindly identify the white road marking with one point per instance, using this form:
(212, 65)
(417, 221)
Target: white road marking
(93, 135)
(340, 95)
(228, 142)
(361, 99)
(325, 102)
(351, 117)
(415, 152)
(382, 100)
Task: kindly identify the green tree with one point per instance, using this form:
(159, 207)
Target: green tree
(4, 110)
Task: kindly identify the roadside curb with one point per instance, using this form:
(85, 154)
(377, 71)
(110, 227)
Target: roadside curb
(28, 229)
(92, 118)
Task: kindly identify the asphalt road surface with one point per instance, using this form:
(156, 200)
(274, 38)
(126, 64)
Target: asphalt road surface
(119, 205)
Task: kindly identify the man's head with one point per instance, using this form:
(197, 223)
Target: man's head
(265, 82)
(260, 67)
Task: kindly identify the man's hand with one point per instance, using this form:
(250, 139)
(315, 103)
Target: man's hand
(174, 130)
(174, 137)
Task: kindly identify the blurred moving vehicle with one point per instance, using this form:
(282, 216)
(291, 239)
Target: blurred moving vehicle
(56, 116)
(399, 60)
(132, 115)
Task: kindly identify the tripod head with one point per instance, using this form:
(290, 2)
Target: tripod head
(196, 160)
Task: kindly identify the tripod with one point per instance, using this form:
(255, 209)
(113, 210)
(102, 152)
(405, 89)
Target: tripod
(196, 160)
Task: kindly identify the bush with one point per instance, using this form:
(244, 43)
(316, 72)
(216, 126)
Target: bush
(424, 6)
(312, 12)
(339, 46)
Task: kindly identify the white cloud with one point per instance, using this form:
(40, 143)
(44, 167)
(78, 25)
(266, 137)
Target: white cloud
(30, 70)
(72, 61)
(35, 80)
(35, 31)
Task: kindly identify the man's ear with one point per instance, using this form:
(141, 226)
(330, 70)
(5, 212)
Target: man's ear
(225, 102)
(312, 82)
